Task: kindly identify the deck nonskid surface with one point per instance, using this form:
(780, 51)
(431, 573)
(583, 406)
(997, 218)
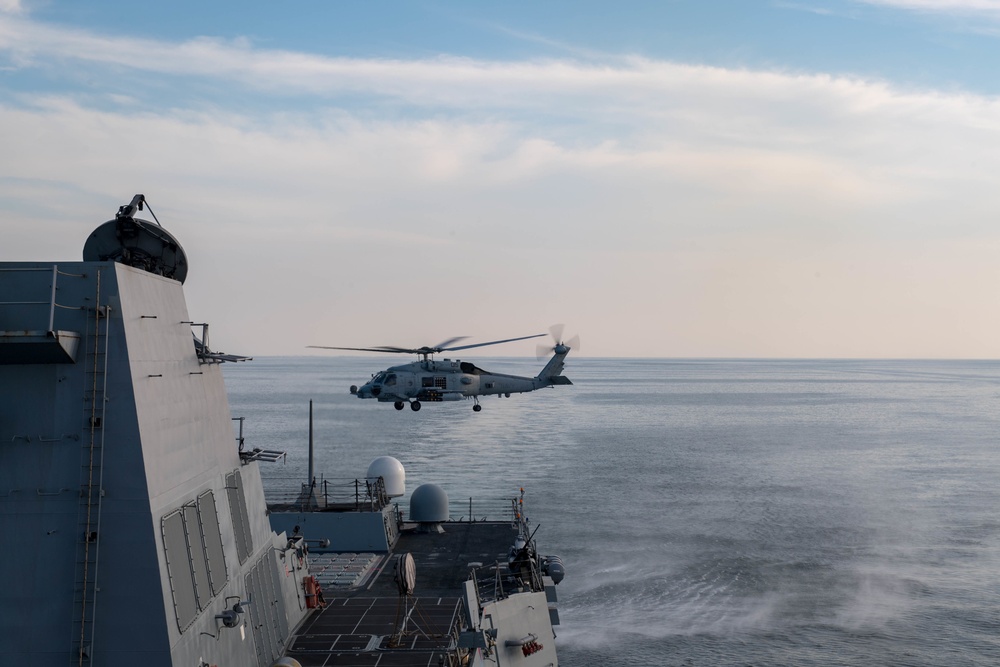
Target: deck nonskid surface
(365, 627)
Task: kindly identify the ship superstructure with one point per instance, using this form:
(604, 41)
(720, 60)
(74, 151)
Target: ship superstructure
(134, 533)
(136, 530)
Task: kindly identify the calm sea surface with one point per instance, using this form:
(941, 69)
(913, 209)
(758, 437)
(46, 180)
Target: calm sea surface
(709, 512)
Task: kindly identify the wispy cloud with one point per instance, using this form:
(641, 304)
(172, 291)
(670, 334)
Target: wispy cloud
(11, 7)
(632, 86)
(812, 8)
(488, 179)
(991, 7)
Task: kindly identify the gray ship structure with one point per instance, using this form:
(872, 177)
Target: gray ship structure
(137, 529)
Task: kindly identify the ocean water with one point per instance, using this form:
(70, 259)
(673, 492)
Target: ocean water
(708, 512)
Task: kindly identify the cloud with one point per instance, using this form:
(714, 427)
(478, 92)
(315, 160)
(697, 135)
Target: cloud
(11, 7)
(718, 211)
(943, 6)
(642, 85)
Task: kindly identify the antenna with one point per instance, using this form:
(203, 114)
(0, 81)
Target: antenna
(137, 243)
(311, 479)
(406, 574)
(406, 581)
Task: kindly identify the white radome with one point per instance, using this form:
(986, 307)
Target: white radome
(392, 473)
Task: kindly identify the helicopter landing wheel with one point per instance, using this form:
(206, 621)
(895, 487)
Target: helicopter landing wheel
(398, 405)
(477, 407)
(415, 406)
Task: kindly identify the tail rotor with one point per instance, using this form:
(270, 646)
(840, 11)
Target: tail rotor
(560, 346)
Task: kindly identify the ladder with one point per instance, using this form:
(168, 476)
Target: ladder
(85, 587)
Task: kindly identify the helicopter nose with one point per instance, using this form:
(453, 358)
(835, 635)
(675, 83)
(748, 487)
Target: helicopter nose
(376, 391)
(365, 391)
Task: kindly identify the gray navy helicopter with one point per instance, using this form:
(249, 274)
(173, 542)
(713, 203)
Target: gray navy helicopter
(437, 381)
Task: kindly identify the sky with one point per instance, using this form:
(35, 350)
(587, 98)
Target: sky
(791, 179)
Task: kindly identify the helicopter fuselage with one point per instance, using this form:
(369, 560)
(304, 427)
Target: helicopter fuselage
(447, 380)
(444, 380)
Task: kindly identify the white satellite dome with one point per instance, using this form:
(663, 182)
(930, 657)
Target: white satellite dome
(392, 473)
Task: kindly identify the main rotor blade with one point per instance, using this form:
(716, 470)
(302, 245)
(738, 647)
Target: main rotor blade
(445, 344)
(492, 342)
(365, 349)
(424, 350)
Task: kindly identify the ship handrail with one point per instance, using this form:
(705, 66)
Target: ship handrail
(496, 582)
(490, 509)
(51, 302)
(327, 493)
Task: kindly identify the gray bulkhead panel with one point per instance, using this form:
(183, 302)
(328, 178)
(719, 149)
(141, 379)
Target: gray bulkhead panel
(239, 515)
(64, 426)
(519, 616)
(267, 616)
(208, 517)
(189, 450)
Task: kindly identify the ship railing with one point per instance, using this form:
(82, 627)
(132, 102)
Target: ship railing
(526, 562)
(523, 570)
(497, 581)
(456, 655)
(45, 306)
(491, 509)
(326, 494)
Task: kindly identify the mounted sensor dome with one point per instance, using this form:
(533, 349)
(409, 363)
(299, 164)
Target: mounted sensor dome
(429, 504)
(137, 243)
(392, 473)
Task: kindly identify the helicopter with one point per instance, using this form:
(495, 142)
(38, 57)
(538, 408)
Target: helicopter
(446, 380)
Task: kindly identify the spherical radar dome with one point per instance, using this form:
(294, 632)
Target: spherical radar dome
(392, 473)
(429, 504)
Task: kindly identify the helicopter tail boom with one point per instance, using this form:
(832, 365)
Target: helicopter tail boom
(552, 373)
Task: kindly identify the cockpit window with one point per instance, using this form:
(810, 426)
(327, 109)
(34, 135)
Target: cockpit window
(378, 379)
(390, 380)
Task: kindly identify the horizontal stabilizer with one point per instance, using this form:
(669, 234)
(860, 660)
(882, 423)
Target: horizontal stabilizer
(559, 379)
